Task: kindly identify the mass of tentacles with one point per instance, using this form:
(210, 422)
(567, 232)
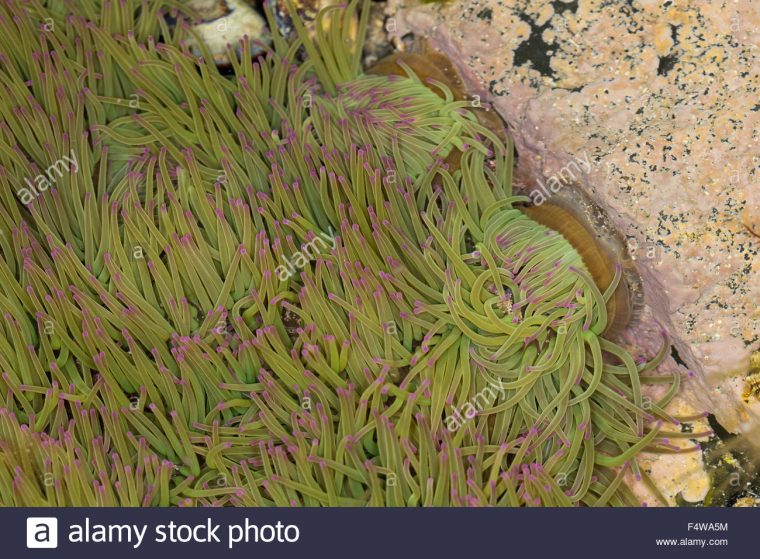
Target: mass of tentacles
(297, 285)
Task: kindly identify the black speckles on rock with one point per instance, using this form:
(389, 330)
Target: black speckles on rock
(485, 14)
(560, 7)
(534, 49)
(667, 62)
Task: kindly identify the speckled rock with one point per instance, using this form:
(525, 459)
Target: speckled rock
(227, 22)
(662, 96)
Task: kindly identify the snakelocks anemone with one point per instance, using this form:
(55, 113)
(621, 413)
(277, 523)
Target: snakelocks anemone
(300, 285)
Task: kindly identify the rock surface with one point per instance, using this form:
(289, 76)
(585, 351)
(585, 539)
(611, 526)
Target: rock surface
(662, 98)
(227, 22)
